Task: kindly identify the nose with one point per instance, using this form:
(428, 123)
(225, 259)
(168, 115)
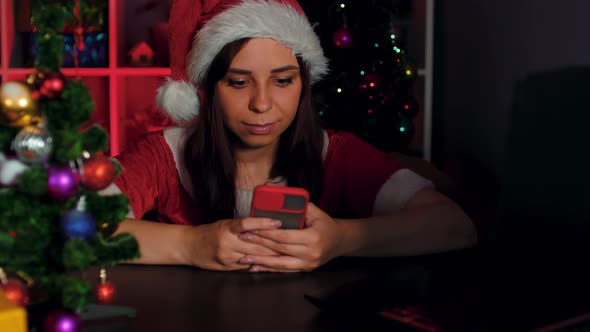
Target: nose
(260, 100)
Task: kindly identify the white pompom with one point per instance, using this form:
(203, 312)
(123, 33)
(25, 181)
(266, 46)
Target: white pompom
(10, 170)
(179, 99)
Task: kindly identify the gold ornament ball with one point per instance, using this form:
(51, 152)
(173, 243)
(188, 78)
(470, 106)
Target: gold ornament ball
(18, 108)
(34, 79)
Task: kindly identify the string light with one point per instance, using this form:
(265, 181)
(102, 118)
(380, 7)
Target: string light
(371, 84)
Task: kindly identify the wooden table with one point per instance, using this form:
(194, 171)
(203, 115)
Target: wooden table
(497, 296)
(173, 298)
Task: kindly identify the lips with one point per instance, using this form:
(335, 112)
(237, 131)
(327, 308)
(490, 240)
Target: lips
(259, 129)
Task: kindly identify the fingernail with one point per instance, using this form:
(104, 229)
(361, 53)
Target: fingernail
(246, 260)
(275, 223)
(246, 236)
(255, 269)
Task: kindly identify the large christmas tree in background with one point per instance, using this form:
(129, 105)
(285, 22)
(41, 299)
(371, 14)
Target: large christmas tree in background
(53, 223)
(369, 89)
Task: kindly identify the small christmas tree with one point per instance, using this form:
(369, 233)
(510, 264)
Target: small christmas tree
(369, 90)
(52, 220)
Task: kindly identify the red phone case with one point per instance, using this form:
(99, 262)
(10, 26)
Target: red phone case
(287, 204)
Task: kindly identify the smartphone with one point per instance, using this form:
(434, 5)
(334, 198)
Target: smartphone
(287, 204)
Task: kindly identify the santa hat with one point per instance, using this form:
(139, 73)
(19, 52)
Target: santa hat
(199, 29)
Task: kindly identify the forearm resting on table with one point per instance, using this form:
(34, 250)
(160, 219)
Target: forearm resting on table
(159, 243)
(430, 228)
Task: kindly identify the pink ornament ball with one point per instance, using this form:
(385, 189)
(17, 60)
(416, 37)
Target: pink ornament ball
(61, 320)
(343, 38)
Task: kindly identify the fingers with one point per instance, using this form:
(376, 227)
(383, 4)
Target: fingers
(259, 268)
(234, 267)
(238, 226)
(252, 248)
(313, 213)
(235, 260)
(273, 263)
(228, 251)
(276, 246)
(287, 236)
(229, 262)
(313, 210)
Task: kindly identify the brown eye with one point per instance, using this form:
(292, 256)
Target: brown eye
(283, 82)
(236, 83)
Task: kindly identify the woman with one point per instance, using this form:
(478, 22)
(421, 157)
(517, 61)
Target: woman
(253, 63)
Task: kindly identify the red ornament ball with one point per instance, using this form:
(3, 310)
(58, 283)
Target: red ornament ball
(105, 292)
(99, 172)
(16, 291)
(53, 85)
(342, 38)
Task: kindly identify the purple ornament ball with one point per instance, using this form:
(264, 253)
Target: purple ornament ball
(62, 182)
(61, 320)
(342, 38)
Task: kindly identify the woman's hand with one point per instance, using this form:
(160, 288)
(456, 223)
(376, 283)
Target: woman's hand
(217, 246)
(301, 250)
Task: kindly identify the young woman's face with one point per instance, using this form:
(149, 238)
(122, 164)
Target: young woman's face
(259, 95)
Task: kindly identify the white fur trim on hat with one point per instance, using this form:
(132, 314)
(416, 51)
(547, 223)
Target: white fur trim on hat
(256, 19)
(179, 100)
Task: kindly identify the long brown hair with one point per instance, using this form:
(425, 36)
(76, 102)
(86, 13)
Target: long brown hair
(212, 165)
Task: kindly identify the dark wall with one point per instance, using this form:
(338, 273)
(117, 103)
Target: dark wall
(482, 49)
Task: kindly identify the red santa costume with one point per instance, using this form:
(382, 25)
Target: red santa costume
(359, 181)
